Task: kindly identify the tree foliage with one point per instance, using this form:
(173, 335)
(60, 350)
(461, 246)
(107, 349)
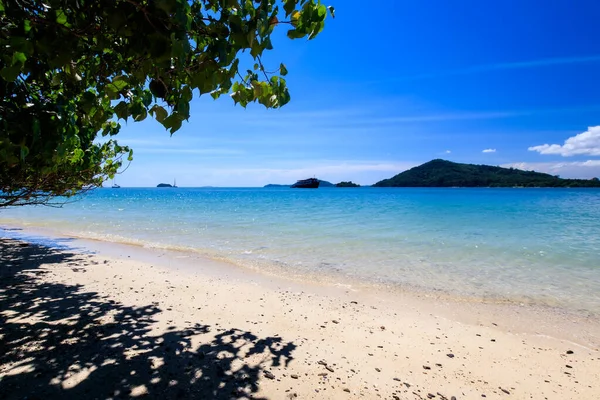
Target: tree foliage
(71, 70)
(442, 173)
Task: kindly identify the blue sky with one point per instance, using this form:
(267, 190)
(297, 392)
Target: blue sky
(392, 84)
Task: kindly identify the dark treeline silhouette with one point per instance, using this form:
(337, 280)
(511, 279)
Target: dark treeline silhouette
(442, 173)
(347, 184)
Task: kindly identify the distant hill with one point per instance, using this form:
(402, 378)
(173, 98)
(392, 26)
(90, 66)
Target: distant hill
(321, 184)
(442, 173)
(347, 184)
(164, 185)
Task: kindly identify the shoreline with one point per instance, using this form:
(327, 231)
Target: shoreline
(264, 337)
(284, 271)
(581, 327)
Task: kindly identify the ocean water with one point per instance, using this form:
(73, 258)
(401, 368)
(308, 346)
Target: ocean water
(539, 246)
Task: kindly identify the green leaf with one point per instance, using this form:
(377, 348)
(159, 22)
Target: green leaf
(88, 101)
(267, 44)
(322, 12)
(1, 6)
(331, 11)
(121, 110)
(295, 34)
(198, 79)
(118, 83)
(173, 123)
(22, 44)
(138, 111)
(77, 156)
(141, 115)
(259, 88)
(18, 58)
(158, 88)
(24, 152)
(11, 73)
(186, 94)
(61, 17)
(318, 27)
(283, 70)
(183, 108)
(256, 49)
(159, 113)
(289, 6)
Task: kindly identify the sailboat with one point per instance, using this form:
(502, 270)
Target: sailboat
(174, 183)
(115, 186)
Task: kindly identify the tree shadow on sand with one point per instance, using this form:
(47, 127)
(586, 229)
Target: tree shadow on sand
(60, 342)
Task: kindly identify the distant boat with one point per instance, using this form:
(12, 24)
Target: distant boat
(174, 183)
(115, 186)
(310, 183)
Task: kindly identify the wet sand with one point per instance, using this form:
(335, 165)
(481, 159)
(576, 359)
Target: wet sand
(108, 321)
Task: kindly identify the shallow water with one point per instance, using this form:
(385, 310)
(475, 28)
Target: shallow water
(529, 245)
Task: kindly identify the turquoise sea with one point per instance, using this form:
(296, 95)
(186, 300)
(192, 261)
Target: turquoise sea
(539, 246)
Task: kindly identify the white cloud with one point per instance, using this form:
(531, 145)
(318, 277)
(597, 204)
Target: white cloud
(489, 151)
(576, 169)
(448, 151)
(586, 143)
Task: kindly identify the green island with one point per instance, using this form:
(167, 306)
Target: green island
(443, 173)
(347, 184)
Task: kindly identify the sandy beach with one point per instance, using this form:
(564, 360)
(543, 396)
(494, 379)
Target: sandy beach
(109, 321)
